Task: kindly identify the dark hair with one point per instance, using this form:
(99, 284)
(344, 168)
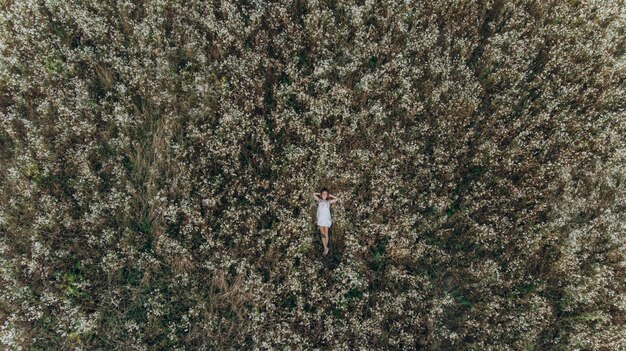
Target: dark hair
(324, 190)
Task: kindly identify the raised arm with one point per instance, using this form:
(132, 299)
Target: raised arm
(333, 199)
(316, 197)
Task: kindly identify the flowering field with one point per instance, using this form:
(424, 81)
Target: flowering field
(158, 159)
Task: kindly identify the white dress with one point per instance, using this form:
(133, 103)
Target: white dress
(323, 213)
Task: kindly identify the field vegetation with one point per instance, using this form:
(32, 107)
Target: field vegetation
(158, 159)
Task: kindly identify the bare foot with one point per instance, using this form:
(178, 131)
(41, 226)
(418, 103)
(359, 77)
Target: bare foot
(325, 250)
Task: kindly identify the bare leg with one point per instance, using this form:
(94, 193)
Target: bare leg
(325, 239)
(323, 236)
